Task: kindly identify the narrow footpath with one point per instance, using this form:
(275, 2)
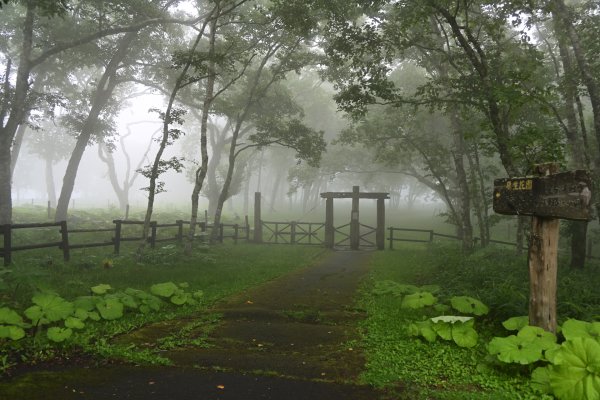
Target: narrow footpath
(289, 339)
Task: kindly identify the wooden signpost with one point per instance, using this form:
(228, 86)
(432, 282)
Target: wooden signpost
(547, 197)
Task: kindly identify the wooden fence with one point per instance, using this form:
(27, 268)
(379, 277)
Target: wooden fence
(304, 233)
(226, 231)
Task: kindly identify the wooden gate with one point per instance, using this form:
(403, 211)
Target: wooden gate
(359, 234)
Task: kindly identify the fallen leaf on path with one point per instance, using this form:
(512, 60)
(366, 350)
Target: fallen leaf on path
(249, 302)
(221, 387)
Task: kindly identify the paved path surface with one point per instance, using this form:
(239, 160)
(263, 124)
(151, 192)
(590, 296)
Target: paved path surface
(288, 339)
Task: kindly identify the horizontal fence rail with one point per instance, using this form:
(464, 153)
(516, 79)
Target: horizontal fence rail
(293, 232)
(225, 231)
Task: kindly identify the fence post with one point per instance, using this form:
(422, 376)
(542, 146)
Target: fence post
(127, 212)
(7, 231)
(221, 227)
(258, 238)
(49, 210)
(247, 228)
(64, 233)
(329, 228)
(293, 232)
(354, 221)
(117, 237)
(152, 234)
(380, 232)
(235, 237)
(430, 236)
(391, 238)
(179, 223)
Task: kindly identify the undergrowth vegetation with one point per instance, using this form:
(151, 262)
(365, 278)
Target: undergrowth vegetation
(51, 310)
(400, 340)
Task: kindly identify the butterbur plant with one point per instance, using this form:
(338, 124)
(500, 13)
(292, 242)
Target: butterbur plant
(573, 369)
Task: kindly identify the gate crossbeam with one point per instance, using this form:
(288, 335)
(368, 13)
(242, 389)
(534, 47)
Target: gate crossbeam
(355, 236)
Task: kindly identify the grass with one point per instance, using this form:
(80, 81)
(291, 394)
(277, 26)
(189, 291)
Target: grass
(440, 370)
(218, 271)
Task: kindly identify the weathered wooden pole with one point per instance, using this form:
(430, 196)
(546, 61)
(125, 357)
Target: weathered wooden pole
(380, 233)
(258, 238)
(117, 238)
(543, 264)
(152, 238)
(7, 250)
(64, 245)
(354, 222)
(179, 223)
(329, 229)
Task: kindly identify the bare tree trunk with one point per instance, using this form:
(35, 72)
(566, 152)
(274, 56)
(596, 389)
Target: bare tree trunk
(16, 146)
(5, 181)
(50, 187)
(464, 208)
(208, 99)
(17, 114)
(104, 89)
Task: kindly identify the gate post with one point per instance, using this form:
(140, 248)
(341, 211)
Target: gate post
(329, 231)
(258, 238)
(354, 223)
(380, 233)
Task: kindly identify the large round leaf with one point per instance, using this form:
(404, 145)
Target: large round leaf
(540, 379)
(443, 329)
(468, 305)
(574, 328)
(128, 300)
(110, 308)
(11, 332)
(546, 340)
(58, 335)
(516, 323)
(464, 335)
(11, 317)
(101, 288)
(423, 328)
(513, 349)
(576, 373)
(418, 300)
(48, 307)
(87, 303)
(74, 323)
(451, 319)
(166, 289)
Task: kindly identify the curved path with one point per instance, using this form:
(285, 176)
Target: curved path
(288, 339)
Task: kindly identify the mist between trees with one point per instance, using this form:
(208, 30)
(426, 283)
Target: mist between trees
(200, 103)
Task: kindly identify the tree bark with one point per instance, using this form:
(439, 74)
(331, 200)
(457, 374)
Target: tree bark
(50, 187)
(464, 209)
(104, 89)
(17, 114)
(208, 99)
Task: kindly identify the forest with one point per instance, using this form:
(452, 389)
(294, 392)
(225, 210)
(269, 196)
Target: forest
(430, 100)
(182, 110)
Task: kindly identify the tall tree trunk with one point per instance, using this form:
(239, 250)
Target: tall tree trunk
(104, 89)
(208, 99)
(121, 192)
(577, 152)
(477, 201)
(16, 145)
(464, 209)
(275, 193)
(17, 114)
(50, 187)
(5, 181)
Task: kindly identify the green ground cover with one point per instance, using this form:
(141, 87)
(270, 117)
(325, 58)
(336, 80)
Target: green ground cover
(418, 369)
(215, 271)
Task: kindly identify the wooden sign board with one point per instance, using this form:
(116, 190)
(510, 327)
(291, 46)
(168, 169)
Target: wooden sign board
(564, 195)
